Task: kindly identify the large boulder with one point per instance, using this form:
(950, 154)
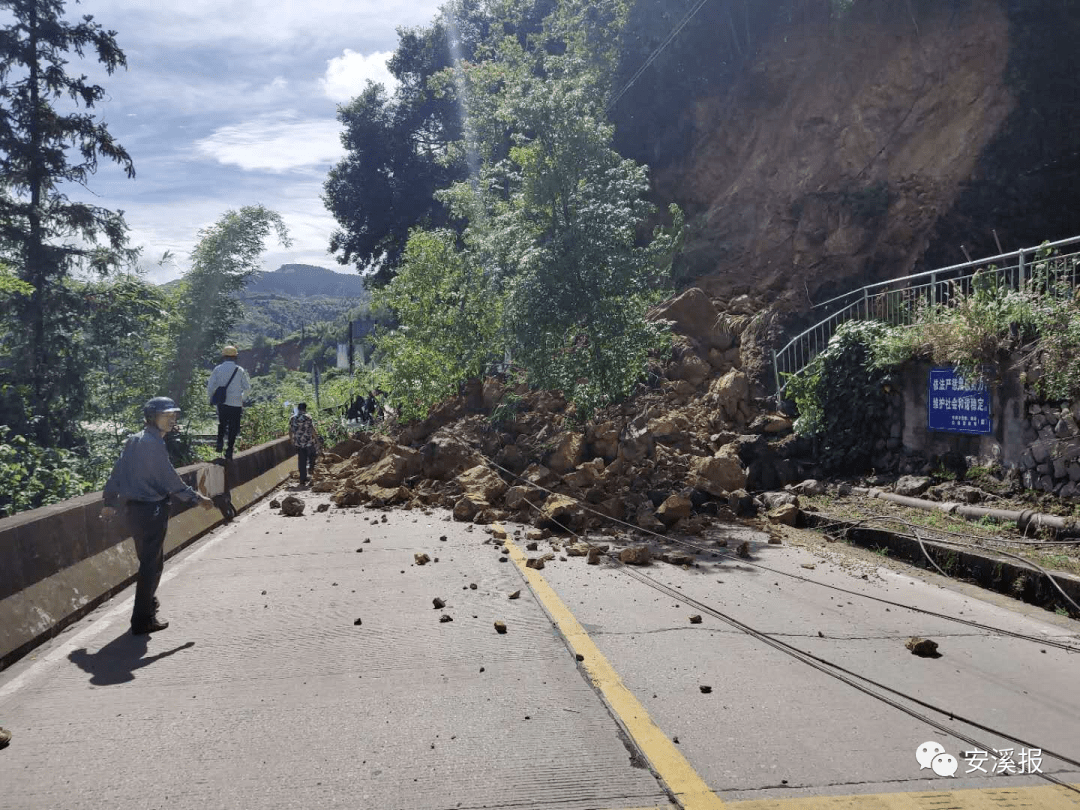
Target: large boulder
(518, 497)
(512, 458)
(674, 508)
(292, 506)
(443, 457)
(719, 474)
(694, 315)
(349, 496)
(646, 519)
(389, 471)
(604, 440)
(911, 485)
(691, 368)
(560, 510)
(569, 452)
(729, 392)
(388, 496)
(444, 413)
(586, 475)
(669, 428)
(540, 475)
(466, 508)
(367, 448)
(481, 485)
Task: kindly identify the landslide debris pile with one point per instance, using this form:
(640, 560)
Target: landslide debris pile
(683, 449)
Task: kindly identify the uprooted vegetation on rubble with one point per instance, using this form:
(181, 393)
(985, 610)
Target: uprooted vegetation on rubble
(683, 449)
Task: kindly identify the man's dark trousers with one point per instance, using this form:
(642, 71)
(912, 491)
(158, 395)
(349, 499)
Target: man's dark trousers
(147, 522)
(305, 461)
(228, 423)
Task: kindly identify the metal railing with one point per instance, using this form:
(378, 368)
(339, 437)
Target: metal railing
(898, 300)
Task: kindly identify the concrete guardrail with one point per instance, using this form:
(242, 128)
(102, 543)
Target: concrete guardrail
(61, 561)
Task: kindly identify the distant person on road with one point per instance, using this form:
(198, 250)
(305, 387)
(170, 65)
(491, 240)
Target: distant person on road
(305, 437)
(142, 482)
(226, 388)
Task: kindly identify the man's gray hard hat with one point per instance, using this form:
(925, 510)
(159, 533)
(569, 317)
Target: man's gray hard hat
(159, 405)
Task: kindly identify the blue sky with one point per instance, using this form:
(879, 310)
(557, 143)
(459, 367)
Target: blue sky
(226, 104)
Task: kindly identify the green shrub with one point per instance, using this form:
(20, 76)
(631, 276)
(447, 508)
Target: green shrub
(36, 476)
(841, 396)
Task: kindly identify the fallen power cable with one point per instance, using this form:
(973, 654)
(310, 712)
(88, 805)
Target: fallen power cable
(821, 664)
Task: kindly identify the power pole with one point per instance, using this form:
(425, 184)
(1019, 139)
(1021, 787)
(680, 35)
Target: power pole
(350, 347)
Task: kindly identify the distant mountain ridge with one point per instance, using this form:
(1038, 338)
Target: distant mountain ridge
(306, 280)
(301, 281)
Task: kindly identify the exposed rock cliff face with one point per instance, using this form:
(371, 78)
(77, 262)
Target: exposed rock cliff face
(829, 164)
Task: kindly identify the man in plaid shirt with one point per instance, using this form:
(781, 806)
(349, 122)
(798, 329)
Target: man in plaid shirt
(305, 437)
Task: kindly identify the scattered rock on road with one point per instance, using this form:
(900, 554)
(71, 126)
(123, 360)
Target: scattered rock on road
(421, 559)
(292, 506)
(438, 603)
(923, 647)
(500, 627)
(636, 555)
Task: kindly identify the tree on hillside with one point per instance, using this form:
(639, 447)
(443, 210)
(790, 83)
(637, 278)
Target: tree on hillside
(549, 265)
(448, 322)
(562, 227)
(43, 234)
(399, 149)
(226, 256)
(125, 349)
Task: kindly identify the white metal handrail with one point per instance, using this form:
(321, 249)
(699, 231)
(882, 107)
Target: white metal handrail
(896, 301)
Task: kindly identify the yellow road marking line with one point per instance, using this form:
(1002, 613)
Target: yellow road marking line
(1018, 798)
(672, 767)
(692, 791)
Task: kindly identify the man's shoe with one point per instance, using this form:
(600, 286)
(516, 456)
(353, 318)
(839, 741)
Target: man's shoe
(151, 626)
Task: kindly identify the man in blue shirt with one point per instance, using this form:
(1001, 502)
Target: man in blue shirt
(235, 380)
(142, 481)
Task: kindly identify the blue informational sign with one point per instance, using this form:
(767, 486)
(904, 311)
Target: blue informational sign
(956, 405)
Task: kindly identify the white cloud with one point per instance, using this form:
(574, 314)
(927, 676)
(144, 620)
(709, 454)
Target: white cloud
(276, 142)
(265, 23)
(347, 75)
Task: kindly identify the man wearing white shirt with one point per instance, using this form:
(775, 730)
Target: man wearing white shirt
(235, 380)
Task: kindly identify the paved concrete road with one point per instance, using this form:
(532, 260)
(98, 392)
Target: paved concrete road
(265, 693)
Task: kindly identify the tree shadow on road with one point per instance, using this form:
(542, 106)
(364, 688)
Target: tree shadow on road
(117, 661)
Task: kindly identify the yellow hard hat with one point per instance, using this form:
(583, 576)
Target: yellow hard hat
(229, 351)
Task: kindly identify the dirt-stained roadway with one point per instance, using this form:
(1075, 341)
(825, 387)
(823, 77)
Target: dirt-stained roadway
(307, 667)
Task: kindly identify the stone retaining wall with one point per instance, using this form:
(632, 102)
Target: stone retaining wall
(1039, 440)
(59, 562)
